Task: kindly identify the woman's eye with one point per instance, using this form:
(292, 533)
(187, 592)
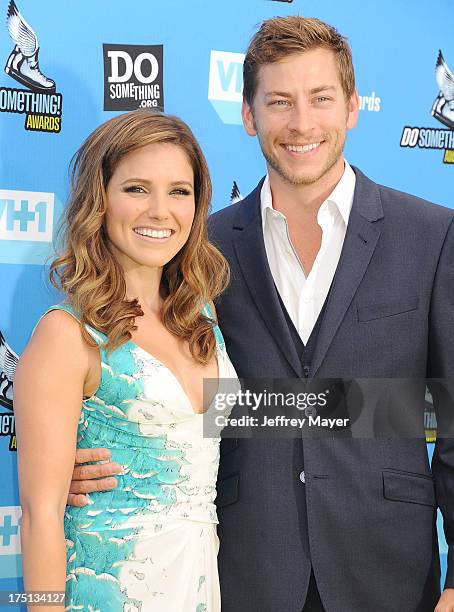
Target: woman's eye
(134, 189)
(182, 192)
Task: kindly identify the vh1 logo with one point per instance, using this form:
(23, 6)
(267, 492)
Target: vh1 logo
(26, 215)
(225, 89)
(27, 220)
(133, 77)
(10, 548)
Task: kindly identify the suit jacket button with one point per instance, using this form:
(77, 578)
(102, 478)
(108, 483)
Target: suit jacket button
(302, 477)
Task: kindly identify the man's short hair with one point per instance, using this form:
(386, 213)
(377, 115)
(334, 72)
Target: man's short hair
(280, 37)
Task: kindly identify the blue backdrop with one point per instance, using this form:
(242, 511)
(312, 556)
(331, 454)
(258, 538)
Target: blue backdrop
(96, 58)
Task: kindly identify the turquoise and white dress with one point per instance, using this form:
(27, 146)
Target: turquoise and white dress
(151, 543)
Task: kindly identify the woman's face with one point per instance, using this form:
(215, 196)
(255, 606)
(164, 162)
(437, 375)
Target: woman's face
(150, 205)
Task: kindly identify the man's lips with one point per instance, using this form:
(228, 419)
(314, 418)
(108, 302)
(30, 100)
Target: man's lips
(302, 149)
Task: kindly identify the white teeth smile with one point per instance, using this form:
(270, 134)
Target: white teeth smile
(151, 233)
(300, 149)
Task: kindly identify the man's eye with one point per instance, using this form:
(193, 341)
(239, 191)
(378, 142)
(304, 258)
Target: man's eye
(280, 102)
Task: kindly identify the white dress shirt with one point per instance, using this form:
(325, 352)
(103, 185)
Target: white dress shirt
(304, 296)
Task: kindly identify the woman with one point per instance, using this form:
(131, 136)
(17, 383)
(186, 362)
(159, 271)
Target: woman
(121, 364)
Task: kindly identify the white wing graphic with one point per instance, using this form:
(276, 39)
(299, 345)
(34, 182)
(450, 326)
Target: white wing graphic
(19, 30)
(444, 78)
(8, 362)
(235, 196)
(8, 359)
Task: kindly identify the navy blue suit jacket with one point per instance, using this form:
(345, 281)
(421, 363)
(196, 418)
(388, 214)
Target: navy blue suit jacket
(365, 518)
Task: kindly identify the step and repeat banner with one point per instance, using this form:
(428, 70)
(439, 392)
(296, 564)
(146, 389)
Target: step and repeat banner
(70, 66)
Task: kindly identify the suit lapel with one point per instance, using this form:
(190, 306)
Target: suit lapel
(361, 239)
(250, 250)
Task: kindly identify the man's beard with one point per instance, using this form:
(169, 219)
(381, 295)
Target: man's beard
(294, 179)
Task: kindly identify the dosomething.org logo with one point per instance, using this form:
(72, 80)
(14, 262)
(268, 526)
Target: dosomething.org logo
(225, 89)
(27, 221)
(133, 77)
(10, 549)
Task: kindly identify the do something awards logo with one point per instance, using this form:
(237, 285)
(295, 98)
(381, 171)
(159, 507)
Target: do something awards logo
(8, 362)
(133, 77)
(40, 103)
(443, 111)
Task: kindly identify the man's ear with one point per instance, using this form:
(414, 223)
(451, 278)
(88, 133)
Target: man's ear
(248, 119)
(353, 110)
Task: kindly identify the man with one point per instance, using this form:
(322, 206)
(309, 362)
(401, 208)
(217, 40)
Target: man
(332, 276)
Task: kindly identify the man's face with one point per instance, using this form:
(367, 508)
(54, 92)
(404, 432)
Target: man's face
(301, 116)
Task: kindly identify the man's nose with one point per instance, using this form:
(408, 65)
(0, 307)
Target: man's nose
(300, 119)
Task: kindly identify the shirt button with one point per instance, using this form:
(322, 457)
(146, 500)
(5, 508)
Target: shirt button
(302, 477)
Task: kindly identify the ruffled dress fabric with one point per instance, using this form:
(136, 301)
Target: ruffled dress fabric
(150, 544)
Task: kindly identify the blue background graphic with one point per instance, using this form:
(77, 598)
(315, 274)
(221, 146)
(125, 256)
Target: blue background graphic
(394, 50)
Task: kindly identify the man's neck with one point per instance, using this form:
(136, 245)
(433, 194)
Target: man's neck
(302, 202)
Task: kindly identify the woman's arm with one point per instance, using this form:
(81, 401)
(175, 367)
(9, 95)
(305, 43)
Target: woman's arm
(48, 392)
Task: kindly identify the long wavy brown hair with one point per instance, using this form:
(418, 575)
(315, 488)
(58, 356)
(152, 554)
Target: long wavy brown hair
(87, 271)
